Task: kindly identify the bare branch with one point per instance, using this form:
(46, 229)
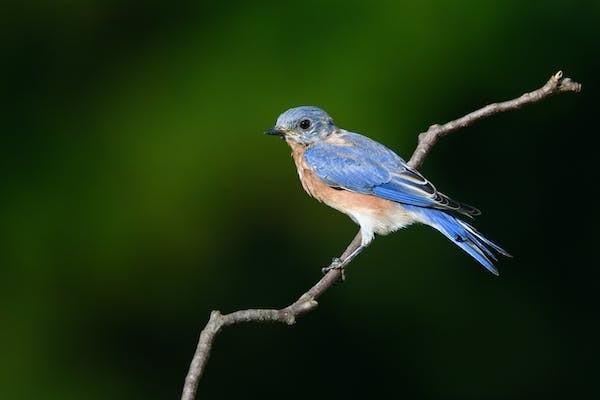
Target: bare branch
(556, 84)
(305, 303)
(308, 301)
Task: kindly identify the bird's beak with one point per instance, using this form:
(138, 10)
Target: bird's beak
(275, 132)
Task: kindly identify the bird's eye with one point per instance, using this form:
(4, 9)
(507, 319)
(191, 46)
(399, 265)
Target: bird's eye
(305, 124)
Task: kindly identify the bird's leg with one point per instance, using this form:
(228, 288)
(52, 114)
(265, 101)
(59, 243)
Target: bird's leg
(352, 255)
(353, 249)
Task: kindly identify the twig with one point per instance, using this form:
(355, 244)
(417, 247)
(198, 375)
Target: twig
(556, 84)
(305, 303)
(308, 301)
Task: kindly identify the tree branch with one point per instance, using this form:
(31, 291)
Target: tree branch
(556, 84)
(308, 301)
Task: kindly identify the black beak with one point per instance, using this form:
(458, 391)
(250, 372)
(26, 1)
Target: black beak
(274, 132)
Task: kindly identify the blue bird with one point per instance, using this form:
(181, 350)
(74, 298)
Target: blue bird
(373, 185)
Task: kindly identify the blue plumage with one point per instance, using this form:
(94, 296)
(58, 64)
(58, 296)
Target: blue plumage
(461, 234)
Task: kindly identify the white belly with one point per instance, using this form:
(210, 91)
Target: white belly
(376, 222)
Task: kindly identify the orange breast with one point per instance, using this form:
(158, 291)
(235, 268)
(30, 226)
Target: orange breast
(342, 200)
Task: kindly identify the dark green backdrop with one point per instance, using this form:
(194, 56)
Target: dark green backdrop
(138, 193)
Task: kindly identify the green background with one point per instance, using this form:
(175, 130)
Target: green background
(138, 193)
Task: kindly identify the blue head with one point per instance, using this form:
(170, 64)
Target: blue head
(304, 125)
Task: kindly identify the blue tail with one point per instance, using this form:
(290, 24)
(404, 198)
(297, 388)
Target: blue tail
(463, 235)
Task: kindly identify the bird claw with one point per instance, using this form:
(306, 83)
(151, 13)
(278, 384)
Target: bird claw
(336, 263)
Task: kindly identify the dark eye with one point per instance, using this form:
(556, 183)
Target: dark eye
(305, 124)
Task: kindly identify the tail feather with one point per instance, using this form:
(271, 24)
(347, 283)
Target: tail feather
(463, 235)
(485, 240)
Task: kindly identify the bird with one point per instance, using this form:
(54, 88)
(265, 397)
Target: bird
(374, 186)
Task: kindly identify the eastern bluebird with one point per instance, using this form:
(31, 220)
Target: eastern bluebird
(373, 185)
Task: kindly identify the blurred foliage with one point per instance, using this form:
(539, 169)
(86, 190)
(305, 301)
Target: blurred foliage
(138, 194)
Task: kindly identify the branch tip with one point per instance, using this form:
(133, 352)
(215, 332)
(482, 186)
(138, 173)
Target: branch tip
(564, 84)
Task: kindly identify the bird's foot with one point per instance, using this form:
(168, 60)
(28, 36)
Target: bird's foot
(336, 263)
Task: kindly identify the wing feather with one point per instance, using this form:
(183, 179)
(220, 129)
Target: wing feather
(359, 164)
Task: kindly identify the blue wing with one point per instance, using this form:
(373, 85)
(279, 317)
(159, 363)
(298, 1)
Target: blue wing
(359, 164)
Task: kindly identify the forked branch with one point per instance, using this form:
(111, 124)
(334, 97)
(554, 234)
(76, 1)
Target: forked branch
(308, 301)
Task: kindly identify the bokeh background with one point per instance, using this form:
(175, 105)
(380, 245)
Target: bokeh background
(138, 193)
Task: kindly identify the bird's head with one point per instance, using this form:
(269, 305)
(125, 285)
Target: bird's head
(304, 125)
